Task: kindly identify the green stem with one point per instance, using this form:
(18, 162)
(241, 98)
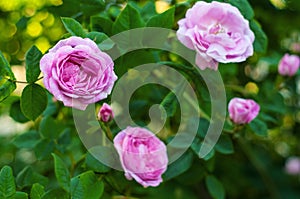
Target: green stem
(260, 168)
(21, 82)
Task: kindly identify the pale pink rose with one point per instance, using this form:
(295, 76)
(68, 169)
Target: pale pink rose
(242, 111)
(77, 72)
(292, 165)
(105, 113)
(288, 65)
(143, 156)
(217, 32)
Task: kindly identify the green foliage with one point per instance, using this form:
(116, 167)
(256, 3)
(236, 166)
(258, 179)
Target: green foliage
(164, 20)
(261, 40)
(62, 173)
(7, 183)
(73, 27)
(37, 191)
(246, 162)
(7, 85)
(86, 186)
(215, 187)
(128, 19)
(33, 101)
(32, 61)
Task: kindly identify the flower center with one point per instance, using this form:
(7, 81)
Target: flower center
(216, 29)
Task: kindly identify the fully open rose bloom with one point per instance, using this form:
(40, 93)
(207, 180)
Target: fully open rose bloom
(143, 156)
(217, 32)
(242, 111)
(288, 65)
(77, 72)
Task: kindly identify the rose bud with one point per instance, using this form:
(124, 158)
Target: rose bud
(105, 113)
(288, 65)
(242, 111)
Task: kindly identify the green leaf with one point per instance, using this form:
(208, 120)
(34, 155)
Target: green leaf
(21, 195)
(244, 7)
(15, 112)
(128, 19)
(33, 101)
(73, 27)
(28, 177)
(86, 186)
(259, 127)
(32, 63)
(261, 39)
(178, 167)
(164, 20)
(224, 145)
(215, 187)
(50, 128)
(6, 75)
(101, 24)
(91, 7)
(62, 173)
(37, 191)
(95, 164)
(7, 183)
(101, 39)
(27, 140)
(44, 148)
(56, 194)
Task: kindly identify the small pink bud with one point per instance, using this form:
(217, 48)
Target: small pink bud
(292, 165)
(105, 113)
(242, 111)
(288, 65)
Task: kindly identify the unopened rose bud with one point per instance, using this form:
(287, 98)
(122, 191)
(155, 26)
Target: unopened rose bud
(105, 113)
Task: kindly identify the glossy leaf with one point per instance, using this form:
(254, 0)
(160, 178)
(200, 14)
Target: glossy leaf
(27, 140)
(32, 63)
(73, 27)
(7, 86)
(37, 191)
(62, 173)
(7, 183)
(215, 187)
(128, 19)
(101, 39)
(261, 39)
(164, 20)
(15, 112)
(33, 101)
(86, 186)
(224, 145)
(178, 167)
(259, 127)
(27, 177)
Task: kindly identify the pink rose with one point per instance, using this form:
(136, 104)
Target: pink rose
(292, 165)
(242, 111)
(217, 32)
(143, 156)
(105, 113)
(288, 65)
(77, 72)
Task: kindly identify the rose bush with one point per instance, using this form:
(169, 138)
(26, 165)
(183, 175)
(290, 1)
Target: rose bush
(77, 72)
(142, 154)
(49, 150)
(217, 32)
